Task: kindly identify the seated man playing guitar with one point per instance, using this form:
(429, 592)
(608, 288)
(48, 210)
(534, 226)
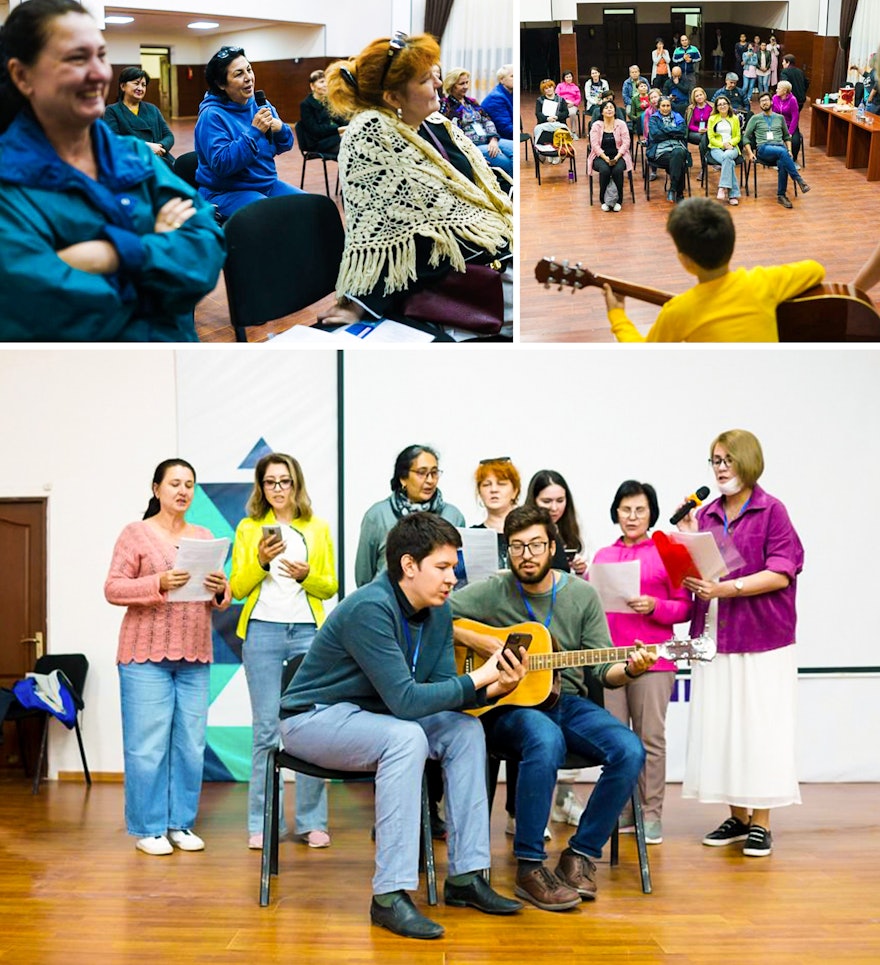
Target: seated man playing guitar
(378, 691)
(724, 305)
(540, 736)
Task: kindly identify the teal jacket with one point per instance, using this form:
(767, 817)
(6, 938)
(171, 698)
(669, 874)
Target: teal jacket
(47, 205)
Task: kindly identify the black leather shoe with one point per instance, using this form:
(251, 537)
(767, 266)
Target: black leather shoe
(480, 896)
(403, 918)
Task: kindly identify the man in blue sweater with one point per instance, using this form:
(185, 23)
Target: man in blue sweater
(378, 690)
(498, 103)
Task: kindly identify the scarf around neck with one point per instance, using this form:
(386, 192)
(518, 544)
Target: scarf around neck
(397, 186)
(401, 505)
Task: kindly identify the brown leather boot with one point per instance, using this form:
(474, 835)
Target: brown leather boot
(541, 887)
(578, 872)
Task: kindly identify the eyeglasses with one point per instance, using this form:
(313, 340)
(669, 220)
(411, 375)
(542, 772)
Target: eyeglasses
(427, 473)
(639, 512)
(536, 547)
(395, 45)
(227, 53)
(273, 484)
(717, 462)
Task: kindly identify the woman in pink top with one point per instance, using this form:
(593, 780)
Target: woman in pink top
(654, 612)
(164, 661)
(698, 113)
(785, 103)
(569, 91)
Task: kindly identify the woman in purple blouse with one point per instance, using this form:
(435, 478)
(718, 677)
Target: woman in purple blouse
(741, 741)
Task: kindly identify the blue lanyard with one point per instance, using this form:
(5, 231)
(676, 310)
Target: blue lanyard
(726, 524)
(529, 609)
(412, 653)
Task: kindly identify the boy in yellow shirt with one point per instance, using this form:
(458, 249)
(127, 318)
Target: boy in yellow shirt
(724, 305)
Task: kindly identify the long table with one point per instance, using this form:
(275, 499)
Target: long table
(842, 134)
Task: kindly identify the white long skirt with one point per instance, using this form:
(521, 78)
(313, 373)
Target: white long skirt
(741, 733)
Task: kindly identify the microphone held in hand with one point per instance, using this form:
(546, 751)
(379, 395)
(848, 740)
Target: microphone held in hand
(694, 500)
(260, 101)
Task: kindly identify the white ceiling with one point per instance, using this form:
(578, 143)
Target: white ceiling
(158, 22)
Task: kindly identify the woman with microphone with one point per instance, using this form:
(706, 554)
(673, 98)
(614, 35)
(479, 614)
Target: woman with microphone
(741, 740)
(237, 137)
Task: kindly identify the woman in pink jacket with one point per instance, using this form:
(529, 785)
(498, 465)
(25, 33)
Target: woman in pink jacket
(609, 153)
(164, 660)
(654, 612)
(569, 91)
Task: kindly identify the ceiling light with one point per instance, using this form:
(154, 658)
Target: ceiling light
(117, 19)
(202, 25)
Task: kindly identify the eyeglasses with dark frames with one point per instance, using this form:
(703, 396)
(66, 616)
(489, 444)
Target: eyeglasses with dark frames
(395, 45)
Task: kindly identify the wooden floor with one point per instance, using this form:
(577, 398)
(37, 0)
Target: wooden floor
(74, 889)
(836, 224)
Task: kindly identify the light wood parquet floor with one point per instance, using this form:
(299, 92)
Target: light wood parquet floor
(74, 889)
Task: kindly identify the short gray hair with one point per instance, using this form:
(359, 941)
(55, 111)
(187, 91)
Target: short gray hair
(732, 76)
(504, 70)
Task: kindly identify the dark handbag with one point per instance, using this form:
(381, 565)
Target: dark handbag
(472, 299)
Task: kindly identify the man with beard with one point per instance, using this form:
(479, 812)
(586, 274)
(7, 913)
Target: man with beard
(540, 737)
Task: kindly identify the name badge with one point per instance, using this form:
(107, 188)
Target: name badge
(702, 126)
(769, 135)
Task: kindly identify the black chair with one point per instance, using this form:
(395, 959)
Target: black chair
(572, 167)
(647, 175)
(632, 189)
(524, 138)
(185, 168)
(710, 163)
(271, 814)
(309, 154)
(282, 254)
(752, 171)
(75, 667)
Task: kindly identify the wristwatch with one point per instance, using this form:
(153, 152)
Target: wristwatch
(738, 586)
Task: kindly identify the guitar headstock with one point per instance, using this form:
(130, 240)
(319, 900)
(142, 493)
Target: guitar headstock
(701, 648)
(549, 272)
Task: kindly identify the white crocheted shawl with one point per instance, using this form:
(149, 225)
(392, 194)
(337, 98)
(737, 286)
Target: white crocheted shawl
(396, 186)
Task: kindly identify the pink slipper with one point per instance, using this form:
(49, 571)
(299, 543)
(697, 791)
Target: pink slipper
(316, 839)
(255, 841)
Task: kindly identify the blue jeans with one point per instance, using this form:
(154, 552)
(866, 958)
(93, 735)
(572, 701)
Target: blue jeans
(228, 202)
(346, 737)
(504, 159)
(778, 154)
(539, 739)
(748, 87)
(164, 716)
(763, 82)
(265, 649)
(727, 160)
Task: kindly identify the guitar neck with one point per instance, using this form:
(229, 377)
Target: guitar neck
(550, 272)
(580, 658)
(654, 296)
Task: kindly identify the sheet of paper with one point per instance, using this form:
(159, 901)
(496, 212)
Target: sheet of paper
(382, 332)
(478, 556)
(198, 557)
(302, 333)
(704, 552)
(616, 583)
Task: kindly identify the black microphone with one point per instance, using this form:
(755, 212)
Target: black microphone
(694, 500)
(260, 101)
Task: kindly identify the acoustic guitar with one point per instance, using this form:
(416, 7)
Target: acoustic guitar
(536, 688)
(824, 313)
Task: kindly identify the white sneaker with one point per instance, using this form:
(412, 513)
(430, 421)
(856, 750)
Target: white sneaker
(158, 844)
(511, 828)
(605, 207)
(653, 832)
(186, 840)
(616, 207)
(567, 811)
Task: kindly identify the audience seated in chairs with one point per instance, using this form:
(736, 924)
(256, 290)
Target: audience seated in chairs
(596, 113)
(738, 101)
(697, 117)
(322, 130)
(133, 116)
(631, 85)
(678, 89)
(609, 154)
(767, 138)
(784, 103)
(667, 147)
(498, 103)
(397, 144)
(570, 91)
(724, 135)
(551, 111)
(654, 96)
(594, 88)
(637, 106)
(474, 122)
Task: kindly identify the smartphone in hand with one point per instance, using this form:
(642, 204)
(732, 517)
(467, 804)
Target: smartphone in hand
(516, 640)
(272, 532)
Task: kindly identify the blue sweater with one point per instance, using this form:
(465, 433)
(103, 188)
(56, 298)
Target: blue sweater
(47, 205)
(233, 154)
(362, 655)
(498, 104)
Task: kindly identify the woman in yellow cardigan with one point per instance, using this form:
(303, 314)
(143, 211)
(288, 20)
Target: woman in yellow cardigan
(284, 573)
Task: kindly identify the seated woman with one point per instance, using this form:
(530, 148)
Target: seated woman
(637, 106)
(236, 139)
(551, 110)
(784, 103)
(398, 147)
(133, 116)
(724, 136)
(654, 95)
(474, 121)
(667, 147)
(322, 131)
(594, 88)
(570, 91)
(100, 241)
(698, 113)
(609, 154)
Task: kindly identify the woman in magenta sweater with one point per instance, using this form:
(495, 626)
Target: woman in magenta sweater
(164, 659)
(654, 612)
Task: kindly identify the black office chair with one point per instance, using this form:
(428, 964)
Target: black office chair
(752, 171)
(310, 154)
(272, 817)
(185, 168)
(282, 254)
(75, 667)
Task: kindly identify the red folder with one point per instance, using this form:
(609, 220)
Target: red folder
(678, 561)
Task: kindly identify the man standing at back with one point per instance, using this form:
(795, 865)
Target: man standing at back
(797, 78)
(686, 56)
(377, 691)
(538, 737)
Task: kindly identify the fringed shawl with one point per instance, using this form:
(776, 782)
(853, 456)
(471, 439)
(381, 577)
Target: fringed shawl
(397, 186)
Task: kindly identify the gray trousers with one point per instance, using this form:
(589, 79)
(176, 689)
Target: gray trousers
(345, 737)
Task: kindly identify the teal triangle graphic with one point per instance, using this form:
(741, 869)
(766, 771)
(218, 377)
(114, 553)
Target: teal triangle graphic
(203, 512)
(232, 745)
(262, 448)
(221, 674)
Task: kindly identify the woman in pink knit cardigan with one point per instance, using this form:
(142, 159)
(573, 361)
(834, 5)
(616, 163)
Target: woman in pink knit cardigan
(164, 661)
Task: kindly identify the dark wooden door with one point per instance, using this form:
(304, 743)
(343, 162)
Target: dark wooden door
(620, 44)
(22, 607)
